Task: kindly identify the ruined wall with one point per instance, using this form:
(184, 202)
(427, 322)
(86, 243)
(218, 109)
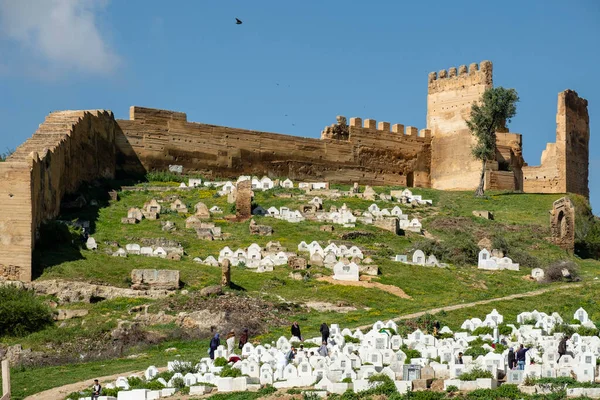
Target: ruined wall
(16, 238)
(70, 147)
(564, 164)
(370, 154)
(450, 95)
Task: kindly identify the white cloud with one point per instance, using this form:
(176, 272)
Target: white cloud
(59, 34)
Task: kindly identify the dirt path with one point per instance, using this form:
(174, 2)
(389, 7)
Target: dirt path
(395, 290)
(480, 302)
(61, 392)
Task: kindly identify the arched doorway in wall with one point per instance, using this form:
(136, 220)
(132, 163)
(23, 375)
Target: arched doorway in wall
(410, 179)
(562, 224)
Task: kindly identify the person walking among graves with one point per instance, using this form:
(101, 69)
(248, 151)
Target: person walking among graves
(459, 360)
(243, 339)
(521, 357)
(323, 351)
(230, 341)
(324, 332)
(562, 347)
(296, 330)
(96, 390)
(291, 355)
(512, 360)
(214, 343)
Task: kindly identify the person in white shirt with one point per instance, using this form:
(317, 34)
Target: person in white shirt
(230, 342)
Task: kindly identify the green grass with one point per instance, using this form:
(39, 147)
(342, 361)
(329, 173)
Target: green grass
(521, 220)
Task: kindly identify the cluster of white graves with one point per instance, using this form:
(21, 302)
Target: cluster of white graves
(379, 351)
(489, 262)
(419, 258)
(374, 212)
(253, 257)
(264, 183)
(285, 214)
(406, 196)
(136, 249)
(342, 259)
(347, 217)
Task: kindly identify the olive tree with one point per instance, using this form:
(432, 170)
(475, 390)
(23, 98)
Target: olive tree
(496, 107)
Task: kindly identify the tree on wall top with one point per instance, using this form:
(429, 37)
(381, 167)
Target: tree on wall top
(496, 107)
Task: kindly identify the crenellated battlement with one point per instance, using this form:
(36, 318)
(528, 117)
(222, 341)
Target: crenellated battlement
(454, 78)
(368, 125)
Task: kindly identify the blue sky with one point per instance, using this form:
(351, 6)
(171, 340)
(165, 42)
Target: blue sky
(292, 66)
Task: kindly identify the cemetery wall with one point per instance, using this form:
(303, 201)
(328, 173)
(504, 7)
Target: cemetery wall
(69, 148)
(371, 154)
(564, 164)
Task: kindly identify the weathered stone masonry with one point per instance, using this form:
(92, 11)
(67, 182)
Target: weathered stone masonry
(72, 147)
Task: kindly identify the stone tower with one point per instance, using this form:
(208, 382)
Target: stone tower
(450, 95)
(564, 166)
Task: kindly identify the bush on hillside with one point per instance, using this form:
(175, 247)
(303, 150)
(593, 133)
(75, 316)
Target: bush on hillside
(587, 229)
(460, 249)
(554, 271)
(474, 374)
(525, 259)
(21, 312)
(475, 352)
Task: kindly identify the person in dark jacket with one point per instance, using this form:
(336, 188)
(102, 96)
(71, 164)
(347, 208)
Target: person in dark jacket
(296, 330)
(214, 343)
(512, 360)
(243, 339)
(562, 347)
(324, 332)
(96, 390)
(521, 357)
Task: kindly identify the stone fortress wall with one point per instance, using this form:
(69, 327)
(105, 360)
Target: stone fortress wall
(69, 148)
(372, 154)
(564, 165)
(72, 147)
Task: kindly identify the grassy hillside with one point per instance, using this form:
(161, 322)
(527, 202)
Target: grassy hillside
(520, 227)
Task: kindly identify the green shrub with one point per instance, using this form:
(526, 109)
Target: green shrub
(220, 362)
(475, 374)
(184, 367)
(178, 383)
(166, 375)
(228, 372)
(525, 259)
(553, 272)
(266, 390)
(386, 387)
(135, 382)
(451, 389)
(184, 390)
(21, 312)
(500, 348)
(153, 385)
(310, 396)
(504, 329)
(293, 391)
(164, 176)
(410, 353)
(483, 330)
(585, 331)
(509, 391)
(564, 328)
(347, 380)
